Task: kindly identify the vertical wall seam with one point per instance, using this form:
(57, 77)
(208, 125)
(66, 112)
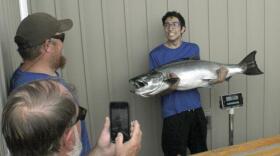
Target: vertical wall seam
(147, 25)
(5, 24)
(85, 67)
(60, 70)
(31, 7)
(128, 51)
(189, 34)
(228, 41)
(147, 31)
(3, 147)
(106, 52)
(54, 5)
(209, 91)
(28, 6)
(264, 58)
(246, 40)
(126, 37)
(9, 13)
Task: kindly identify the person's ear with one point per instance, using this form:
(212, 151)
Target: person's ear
(183, 29)
(68, 140)
(47, 46)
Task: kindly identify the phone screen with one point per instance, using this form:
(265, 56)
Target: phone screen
(119, 117)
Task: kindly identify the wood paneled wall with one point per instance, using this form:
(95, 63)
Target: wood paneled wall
(3, 96)
(111, 39)
(9, 18)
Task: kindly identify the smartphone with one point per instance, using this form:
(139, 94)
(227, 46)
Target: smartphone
(119, 119)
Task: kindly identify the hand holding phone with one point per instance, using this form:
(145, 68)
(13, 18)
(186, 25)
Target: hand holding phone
(131, 147)
(119, 119)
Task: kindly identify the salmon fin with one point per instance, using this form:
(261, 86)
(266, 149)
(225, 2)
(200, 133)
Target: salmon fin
(249, 64)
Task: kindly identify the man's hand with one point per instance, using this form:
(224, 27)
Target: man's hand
(222, 73)
(104, 147)
(174, 77)
(131, 147)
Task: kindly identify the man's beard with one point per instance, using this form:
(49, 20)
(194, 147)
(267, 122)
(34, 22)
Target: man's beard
(78, 144)
(62, 62)
(58, 62)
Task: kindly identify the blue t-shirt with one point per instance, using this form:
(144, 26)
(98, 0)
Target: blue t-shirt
(22, 77)
(176, 101)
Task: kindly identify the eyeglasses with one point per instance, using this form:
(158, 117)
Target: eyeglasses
(59, 37)
(81, 114)
(173, 24)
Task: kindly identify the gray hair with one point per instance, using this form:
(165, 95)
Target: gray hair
(35, 118)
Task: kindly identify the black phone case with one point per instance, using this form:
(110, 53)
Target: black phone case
(119, 119)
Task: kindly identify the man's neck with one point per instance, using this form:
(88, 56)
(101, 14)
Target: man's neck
(30, 66)
(173, 44)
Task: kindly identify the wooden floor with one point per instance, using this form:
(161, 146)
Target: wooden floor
(261, 147)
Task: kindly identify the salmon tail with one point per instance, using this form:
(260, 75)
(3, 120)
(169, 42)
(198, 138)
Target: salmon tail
(249, 65)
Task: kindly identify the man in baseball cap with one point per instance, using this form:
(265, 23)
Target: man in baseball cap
(38, 27)
(39, 38)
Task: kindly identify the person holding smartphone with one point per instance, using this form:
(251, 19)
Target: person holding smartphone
(47, 110)
(184, 123)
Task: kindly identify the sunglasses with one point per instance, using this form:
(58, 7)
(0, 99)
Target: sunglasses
(59, 37)
(81, 114)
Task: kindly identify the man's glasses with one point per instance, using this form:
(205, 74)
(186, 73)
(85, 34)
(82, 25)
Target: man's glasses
(81, 114)
(59, 37)
(173, 25)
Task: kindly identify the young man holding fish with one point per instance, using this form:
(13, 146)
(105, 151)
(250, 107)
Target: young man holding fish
(184, 123)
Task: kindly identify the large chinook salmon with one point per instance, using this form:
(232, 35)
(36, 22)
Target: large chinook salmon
(191, 73)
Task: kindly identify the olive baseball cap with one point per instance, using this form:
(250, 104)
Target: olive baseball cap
(37, 27)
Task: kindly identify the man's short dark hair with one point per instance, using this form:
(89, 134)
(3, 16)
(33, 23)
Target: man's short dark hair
(174, 14)
(29, 53)
(35, 118)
